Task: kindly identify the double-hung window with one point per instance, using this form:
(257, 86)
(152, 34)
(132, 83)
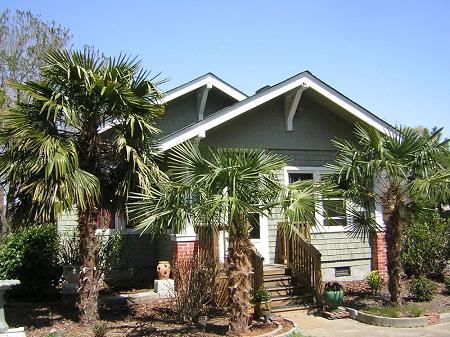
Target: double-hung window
(331, 214)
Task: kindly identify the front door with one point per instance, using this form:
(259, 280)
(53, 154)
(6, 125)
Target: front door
(259, 236)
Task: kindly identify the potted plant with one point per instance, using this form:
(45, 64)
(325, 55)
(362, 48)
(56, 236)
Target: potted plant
(69, 256)
(261, 300)
(333, 294)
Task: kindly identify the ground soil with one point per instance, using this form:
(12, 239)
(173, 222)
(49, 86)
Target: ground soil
(362, 298)
(152, 319)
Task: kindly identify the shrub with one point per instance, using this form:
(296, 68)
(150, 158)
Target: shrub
(261, 295)
(69, 249)
(422, 289)
(30, 255)
(108, 250)
(424, 245)
(333, 286)
(384, 311)
(374, 281)
(55, 333)
(415, 310)
(195, 287)
(100, 330)
(447, 283)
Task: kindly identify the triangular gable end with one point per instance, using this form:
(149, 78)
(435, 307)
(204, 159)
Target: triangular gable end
(207, 82)
(208, 79)
(292, 87)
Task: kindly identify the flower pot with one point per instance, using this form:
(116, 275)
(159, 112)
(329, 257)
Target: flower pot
(163, 270)
(262, 306)
(71, 275)
(334, 298)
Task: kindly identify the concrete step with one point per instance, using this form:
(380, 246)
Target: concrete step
(279, 301)
(308, 308)
(277, 281)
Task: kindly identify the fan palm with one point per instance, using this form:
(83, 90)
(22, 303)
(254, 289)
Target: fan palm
(392, 170)
(56, 156)
(216, 189)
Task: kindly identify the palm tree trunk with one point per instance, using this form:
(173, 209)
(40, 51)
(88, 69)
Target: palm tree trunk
(88, 280)
(393, 244)
(239, 269)
(2, 211)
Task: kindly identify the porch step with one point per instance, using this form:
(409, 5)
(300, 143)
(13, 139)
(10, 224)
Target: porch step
(277, 281)
(284, 290)
(286, 294)
(291, 300)
(272, 270)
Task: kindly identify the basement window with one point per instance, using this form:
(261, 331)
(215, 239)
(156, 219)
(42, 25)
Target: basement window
(342, 271)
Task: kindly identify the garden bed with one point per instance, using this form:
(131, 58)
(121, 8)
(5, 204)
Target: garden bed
(143, 319)
(362, 299)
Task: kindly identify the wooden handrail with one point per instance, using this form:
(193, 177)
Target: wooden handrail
(304, 260)
(257, 261)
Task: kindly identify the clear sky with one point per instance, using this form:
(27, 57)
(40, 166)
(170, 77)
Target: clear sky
(392, 57)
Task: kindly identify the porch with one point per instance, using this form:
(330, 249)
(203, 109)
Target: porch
(295, 283)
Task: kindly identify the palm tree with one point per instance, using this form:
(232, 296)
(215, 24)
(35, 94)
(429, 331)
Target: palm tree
(216, 189)
(56, 155)
(393, 170)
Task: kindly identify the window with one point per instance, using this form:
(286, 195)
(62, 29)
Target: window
(334, 212)
(342, 271)
(293, 177)
(255, 231)
(330, 214)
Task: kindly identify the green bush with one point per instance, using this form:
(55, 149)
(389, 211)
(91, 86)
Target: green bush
(447, 283)
(261, 295)
(100, 330)
(415, 311)
(422, 289)
(374, 281)
(31, 256)
(425, 246)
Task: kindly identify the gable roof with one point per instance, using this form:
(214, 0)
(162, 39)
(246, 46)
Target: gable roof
(201, 81)
(305, 79)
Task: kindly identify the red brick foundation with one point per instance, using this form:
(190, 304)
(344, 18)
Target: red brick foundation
(183, 249)
(379, 254)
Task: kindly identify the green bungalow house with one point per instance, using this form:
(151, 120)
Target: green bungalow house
(298, 118)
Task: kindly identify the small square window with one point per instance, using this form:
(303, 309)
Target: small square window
(342, 271)
(335, 212)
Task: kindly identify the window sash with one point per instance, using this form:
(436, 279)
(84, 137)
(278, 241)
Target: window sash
(316, 173)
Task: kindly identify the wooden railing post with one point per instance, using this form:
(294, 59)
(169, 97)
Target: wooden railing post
(258, 269)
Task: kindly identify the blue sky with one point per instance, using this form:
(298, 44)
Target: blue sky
(392, 57)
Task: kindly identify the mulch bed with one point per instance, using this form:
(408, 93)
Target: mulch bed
(150, 319)
(359, 296)
(116, 291)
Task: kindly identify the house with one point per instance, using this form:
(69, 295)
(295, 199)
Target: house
(298, 118)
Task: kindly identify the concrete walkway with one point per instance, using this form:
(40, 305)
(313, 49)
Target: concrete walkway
(320, 327)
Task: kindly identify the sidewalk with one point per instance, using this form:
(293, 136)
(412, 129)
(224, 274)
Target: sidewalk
(320, 327)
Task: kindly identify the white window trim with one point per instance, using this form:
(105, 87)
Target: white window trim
(317, 172)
